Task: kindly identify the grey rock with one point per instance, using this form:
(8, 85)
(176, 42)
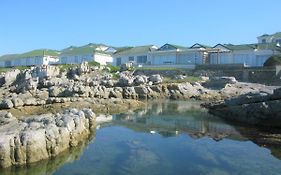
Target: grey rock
(6, 104)
(17, 102)
(156, 79)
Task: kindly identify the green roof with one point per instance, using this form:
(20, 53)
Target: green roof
(39, 52)
(239, 47)
(133, 50)
(202, 45)
(87, 49)
(277, 35)
(261, 46)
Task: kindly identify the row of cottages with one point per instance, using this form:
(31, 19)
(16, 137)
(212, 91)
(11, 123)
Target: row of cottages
(89, 52)
(168, 54)
(33, 58)
(72, 55)
(250, 55)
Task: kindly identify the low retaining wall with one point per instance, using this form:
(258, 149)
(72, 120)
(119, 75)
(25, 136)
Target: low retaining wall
(262, 75)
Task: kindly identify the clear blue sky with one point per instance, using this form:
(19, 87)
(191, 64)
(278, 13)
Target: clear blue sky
(31, 24)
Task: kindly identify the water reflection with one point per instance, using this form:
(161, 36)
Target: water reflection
(167, 137)
(52, 165)
(174, 118)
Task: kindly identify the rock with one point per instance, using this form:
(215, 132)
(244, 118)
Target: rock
(125, 81)
(36, 138)
(277, 94)
(179, 77)
(126, 66)
(10, 76)
(30, 102)
(140, 80)
(129, 93)
(155, 79)
(6, 104)
(116, 92)
(17, 102)
(220, 82)
(84, 68)
(45, 71)
(6, 117)
(252, 108)
(55, 91)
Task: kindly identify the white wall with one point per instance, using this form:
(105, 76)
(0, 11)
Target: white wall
(103, 59)
(250, 58)
(125, 58)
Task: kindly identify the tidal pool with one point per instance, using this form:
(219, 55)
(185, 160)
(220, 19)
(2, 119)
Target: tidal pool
(168, 137)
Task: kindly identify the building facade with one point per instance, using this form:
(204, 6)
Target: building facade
(33, 58)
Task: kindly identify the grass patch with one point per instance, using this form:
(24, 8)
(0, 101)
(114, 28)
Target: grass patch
(113, 69)
(65, 67)
(94, 63)
(189, 79)
(159, 68)
(5, 69)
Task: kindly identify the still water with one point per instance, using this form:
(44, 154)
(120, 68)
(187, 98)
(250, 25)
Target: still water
(167, 137)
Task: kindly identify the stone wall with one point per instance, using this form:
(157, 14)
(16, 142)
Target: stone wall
(262, 75)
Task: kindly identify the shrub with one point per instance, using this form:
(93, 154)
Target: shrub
(274, 60)
(94, 63)
(113, 69)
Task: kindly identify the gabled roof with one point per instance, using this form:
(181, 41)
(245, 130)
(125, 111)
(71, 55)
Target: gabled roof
(168, 46)
(34, 53)
(86, 49)
(137, 49)
(276, 35)
(197, 45)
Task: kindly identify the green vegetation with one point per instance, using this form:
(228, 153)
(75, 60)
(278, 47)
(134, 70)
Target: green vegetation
(4, 69)
(190, 79)
(94, 63)
(113, 69)
(274, 60)
(65, 67)
(39, 52)
(159, 68)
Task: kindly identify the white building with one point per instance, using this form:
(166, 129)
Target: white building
(168, 55)
(266, 38)
(250, 55)
(33, 58)
(90, 52)
(139, 55)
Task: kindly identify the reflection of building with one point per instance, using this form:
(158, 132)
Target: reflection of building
(192, 121)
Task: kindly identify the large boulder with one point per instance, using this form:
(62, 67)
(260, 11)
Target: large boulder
(219, 82)
(9, 77)
(156, 79)
(36, 138)
(83, 68)
(125, 81)
(6, 104)
(140, 80)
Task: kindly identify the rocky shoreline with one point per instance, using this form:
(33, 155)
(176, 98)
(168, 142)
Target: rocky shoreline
(252, 108)
(35, 138)
(48, 85)
(48, 89)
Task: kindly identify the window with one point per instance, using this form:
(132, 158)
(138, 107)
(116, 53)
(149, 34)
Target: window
(76, 59)
(263, 41)
(131, 59)
(142, 59)
(118, 61)
(64, 60)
